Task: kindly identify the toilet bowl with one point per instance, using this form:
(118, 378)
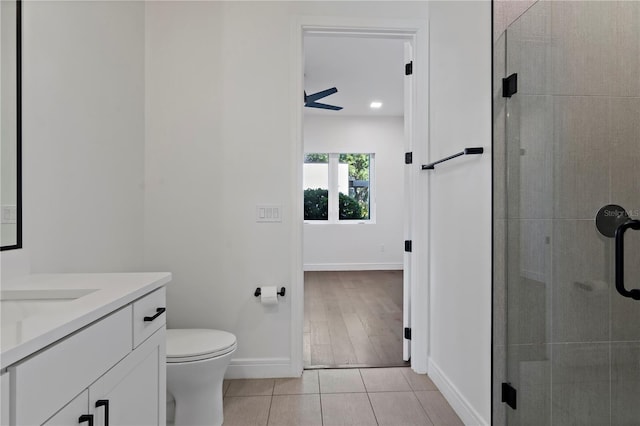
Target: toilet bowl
(196, 362)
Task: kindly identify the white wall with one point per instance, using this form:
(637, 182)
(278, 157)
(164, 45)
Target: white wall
(358, 246)
(219, 141)
(460, 212)
(83, 135)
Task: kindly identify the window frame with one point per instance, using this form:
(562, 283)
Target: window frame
(333, 191)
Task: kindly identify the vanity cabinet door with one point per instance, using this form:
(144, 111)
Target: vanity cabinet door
(133, 392)
(71, 412)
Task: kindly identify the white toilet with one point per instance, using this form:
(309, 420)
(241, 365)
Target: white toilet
(196, 362)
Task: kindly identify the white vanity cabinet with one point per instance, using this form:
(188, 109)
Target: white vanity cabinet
(101, 373)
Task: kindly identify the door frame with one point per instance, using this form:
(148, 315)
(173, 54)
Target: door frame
(415, 31)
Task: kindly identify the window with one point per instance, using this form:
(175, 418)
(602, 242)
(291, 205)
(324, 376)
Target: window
(338, 187)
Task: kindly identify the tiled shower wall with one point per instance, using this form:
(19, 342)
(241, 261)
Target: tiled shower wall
(566, 145)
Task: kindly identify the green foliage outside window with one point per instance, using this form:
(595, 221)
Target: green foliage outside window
(358, 170)
(349, 208)
(316, 205)
(316, 158)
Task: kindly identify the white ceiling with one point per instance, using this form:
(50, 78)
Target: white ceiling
(362, 69)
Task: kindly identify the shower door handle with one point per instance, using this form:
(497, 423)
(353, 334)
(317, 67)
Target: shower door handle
(619, 267)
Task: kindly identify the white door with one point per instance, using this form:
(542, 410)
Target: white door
(408, 205)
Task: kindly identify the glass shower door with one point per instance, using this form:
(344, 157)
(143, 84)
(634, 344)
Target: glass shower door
(572, 146)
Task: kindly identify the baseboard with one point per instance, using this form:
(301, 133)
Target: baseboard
(459, 403)
(353, 266)
(258, 368)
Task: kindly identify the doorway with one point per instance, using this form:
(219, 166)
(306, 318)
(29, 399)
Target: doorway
(356, 210)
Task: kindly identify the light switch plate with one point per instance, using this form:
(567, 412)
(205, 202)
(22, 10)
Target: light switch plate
(268, 213)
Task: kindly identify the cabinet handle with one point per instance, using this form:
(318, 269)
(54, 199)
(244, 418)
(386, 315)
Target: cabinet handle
(104, 403)
(86, 418)
(159, 311)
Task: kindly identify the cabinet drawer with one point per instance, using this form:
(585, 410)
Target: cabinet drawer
(148, 307)
(49, 380)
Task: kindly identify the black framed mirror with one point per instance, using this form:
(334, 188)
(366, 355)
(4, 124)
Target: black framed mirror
(11, 124)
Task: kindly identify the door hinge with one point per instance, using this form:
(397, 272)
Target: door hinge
(407, 246)
(408, 68)
(510, 85)
(408, 158)
(509, 395)
(407, 333)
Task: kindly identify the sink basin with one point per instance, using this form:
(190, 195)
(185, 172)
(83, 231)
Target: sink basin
(16, 305)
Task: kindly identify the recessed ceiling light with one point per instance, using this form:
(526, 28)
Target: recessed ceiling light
(375, 104)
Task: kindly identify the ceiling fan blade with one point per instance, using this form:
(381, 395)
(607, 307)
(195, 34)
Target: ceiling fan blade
(322, 106)
(323, 94)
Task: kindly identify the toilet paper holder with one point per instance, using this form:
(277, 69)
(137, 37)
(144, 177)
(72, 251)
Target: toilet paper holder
(258, 292)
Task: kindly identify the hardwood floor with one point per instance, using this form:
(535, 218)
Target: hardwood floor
(353, 319)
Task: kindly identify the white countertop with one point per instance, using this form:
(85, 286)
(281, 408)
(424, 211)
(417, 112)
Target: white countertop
(19, 339)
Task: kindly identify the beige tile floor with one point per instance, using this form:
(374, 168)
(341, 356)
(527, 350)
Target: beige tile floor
(365, 396)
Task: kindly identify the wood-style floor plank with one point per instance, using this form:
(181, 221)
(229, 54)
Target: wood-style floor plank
(353, 318)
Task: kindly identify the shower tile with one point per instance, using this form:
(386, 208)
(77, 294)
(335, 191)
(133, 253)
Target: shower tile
(581, 289)
(626, 48)
(625, 152)
(529, 46)
(529, 278)
(529, 372)
(595, 48)
(582, 55)
(580, 384)
(581, 166)
(530, 157)
(625, 383)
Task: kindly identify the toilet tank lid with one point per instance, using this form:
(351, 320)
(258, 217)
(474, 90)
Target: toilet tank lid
(197, 341)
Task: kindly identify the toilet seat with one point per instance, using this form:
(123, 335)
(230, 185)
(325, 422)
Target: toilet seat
(187, 345)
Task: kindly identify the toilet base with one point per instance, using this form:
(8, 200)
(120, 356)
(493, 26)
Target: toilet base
(197, 390)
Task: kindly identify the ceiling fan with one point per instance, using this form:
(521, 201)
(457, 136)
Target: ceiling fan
(310, 100)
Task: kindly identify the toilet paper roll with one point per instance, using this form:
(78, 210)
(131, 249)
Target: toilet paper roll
(269, 295)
